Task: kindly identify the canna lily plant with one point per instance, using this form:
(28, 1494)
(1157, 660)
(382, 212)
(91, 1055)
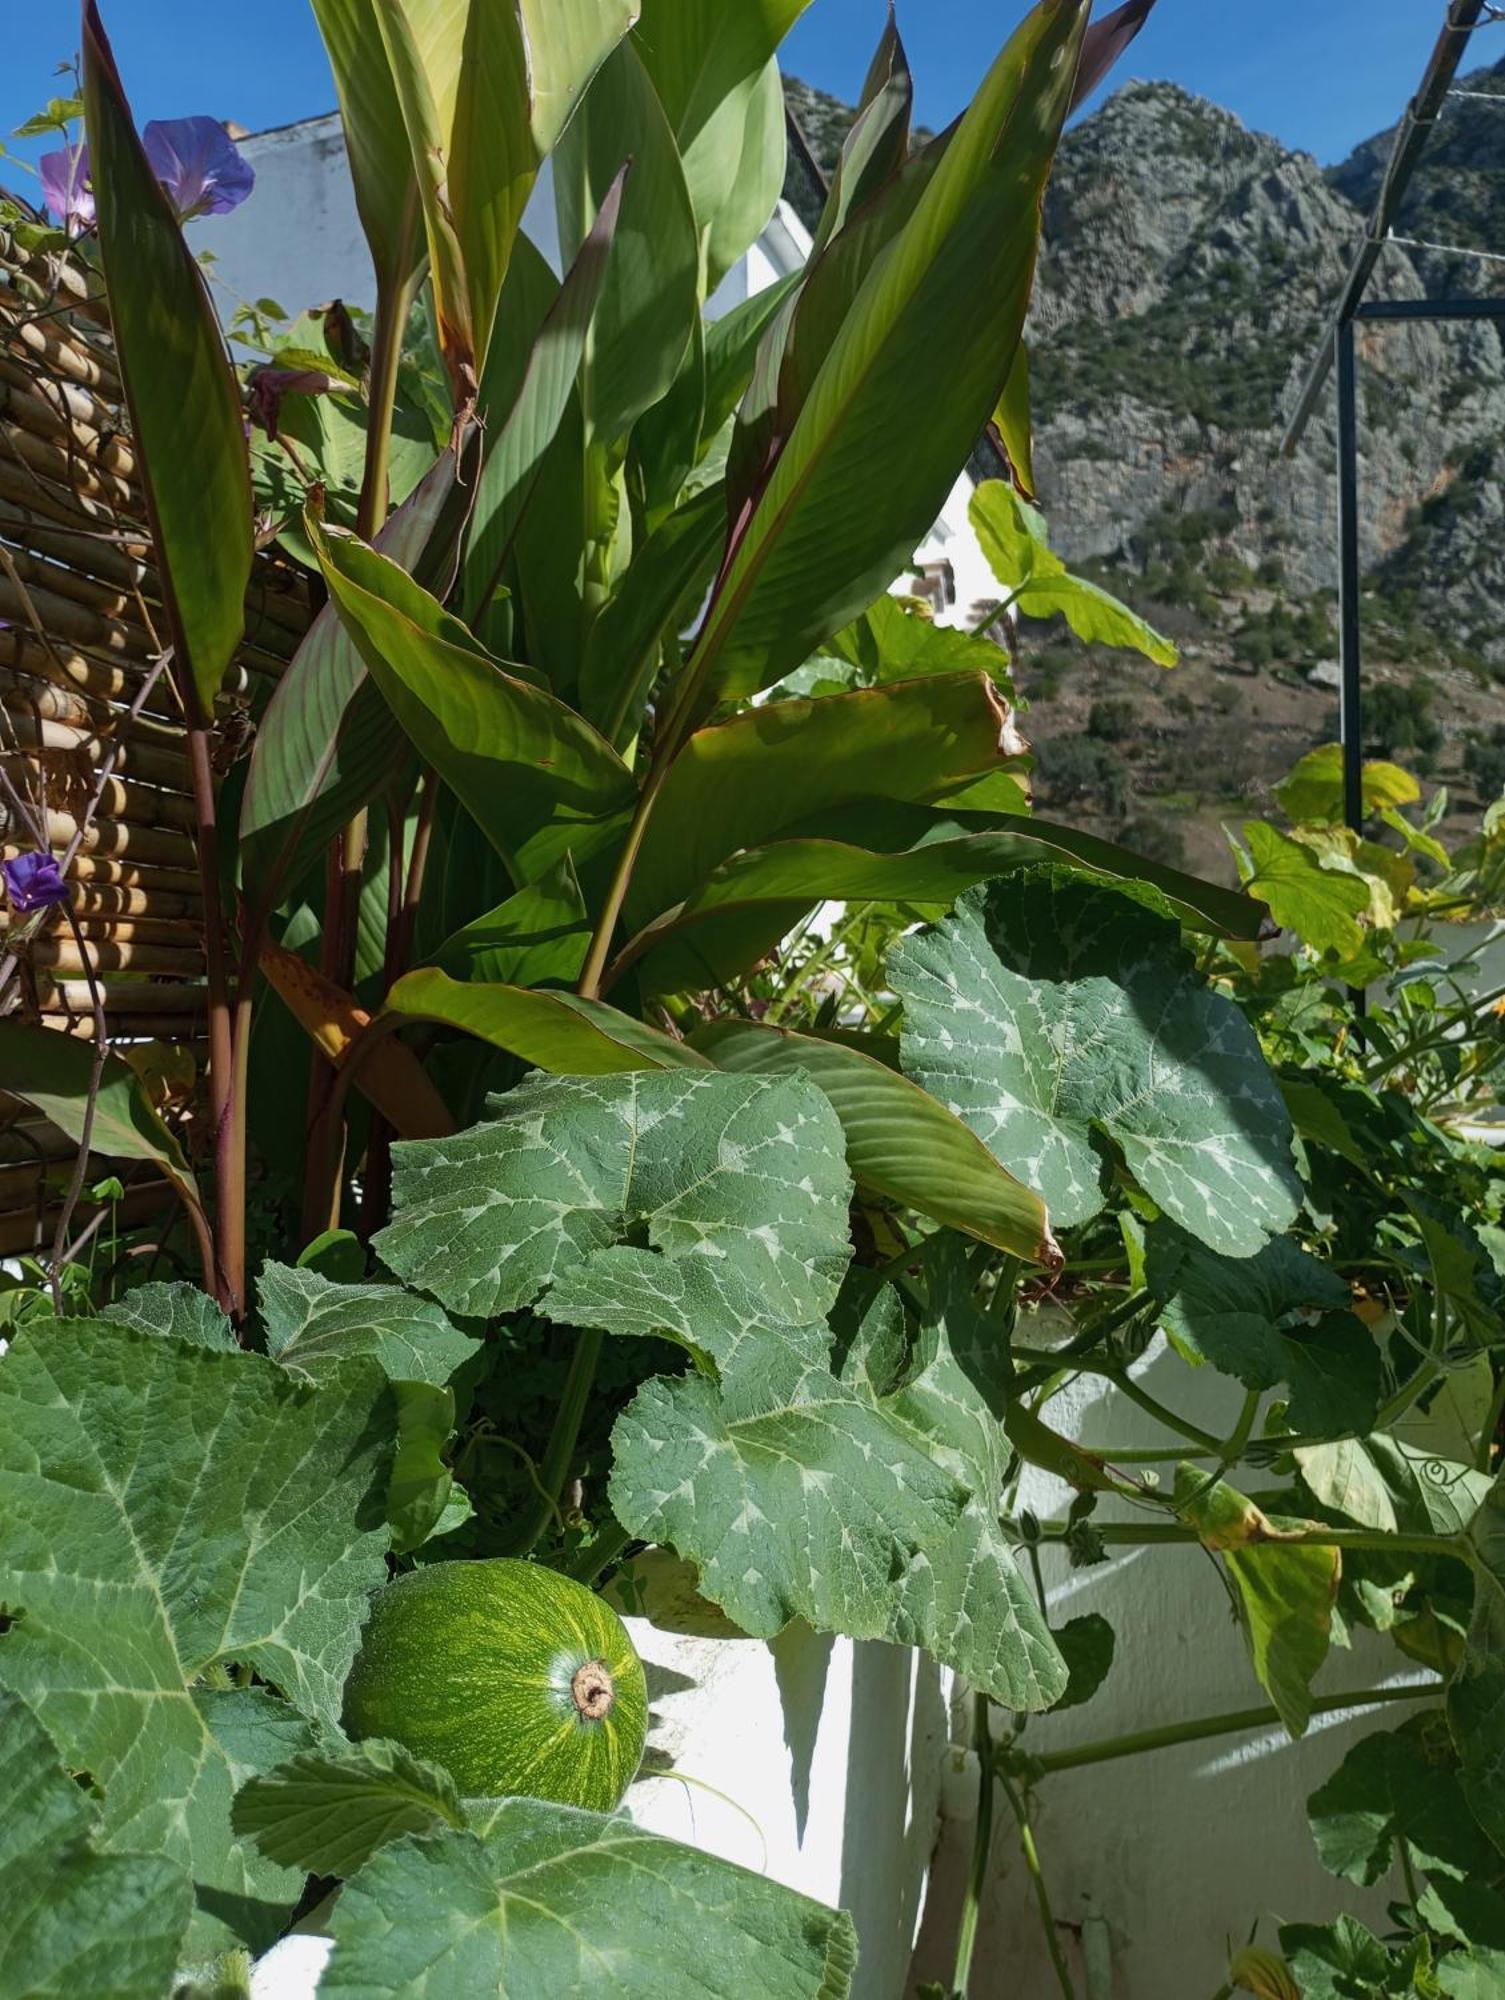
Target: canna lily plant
(605, 701)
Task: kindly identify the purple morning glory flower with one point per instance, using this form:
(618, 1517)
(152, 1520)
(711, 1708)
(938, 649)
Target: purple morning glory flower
(33, 882)
(199, 165)
(66, 189)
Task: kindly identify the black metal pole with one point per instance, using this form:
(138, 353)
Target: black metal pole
(1352, 706)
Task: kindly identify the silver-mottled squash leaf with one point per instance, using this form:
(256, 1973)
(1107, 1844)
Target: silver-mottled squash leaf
(942, 1386)
(169, 1511)
(545, 1899)
(864, 1510)
(728, 1192)
(1052, 1014)
(328, 1811)
(313, 1326)
(76, 1921)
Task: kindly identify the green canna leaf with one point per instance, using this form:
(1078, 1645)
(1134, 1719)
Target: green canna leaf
(184, 404)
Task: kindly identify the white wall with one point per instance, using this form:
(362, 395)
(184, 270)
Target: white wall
(1156, 1862)
(816, 1761)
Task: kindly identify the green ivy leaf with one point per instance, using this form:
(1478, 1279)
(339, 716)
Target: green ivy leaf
(892, 643)
(171, 1511)
(1343, 1961)
(1014, 541)
(328, 1811)
(1285, 1590)
(1047, 1011)
(1242, 1315)
(1320, 905)
(733, 1192)
(76, 1921)
(1476, 1695)
(543, 1898)
(1314, 790)
(1476, 1974)
(1087, 1646)
(1399, 1785)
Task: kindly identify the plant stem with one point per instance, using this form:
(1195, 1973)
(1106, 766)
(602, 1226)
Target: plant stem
(611, 1539)
(392, 306)
(1108, 1749)
(1061, 1361)
(229, 1160)
(559, 1454)
(982, 1848)
(1019, 1806)
(621, 881)
(1149, 1534)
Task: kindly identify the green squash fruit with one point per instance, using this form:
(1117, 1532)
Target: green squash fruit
(514, 1678)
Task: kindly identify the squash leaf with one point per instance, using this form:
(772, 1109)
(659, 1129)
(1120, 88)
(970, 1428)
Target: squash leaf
(197, 1510)
(1051, 1013)
(735, 1187)
(1245, 1316)
(543, 1898)
(77, 1920)
(865, 1503)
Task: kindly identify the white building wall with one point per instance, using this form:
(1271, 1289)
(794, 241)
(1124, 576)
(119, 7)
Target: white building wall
(1157, 1864)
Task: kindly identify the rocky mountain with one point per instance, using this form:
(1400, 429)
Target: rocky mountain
(1188, 268)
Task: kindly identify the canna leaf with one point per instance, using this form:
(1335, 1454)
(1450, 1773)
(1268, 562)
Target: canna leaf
(947, 297)
(537, 779)
(739, 783)
(328, 743)
(381, 163)
(389, 1075)
(184, 404)
(666, 578)
(902, 1145)
(486, 87)
(539, 937)
(748, 902)
(650, 300)
(554, 1031)
(712, 66)
(513, 462)
(54, 1073)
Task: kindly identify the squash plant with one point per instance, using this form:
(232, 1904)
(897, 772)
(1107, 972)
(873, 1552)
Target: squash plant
(606, 700)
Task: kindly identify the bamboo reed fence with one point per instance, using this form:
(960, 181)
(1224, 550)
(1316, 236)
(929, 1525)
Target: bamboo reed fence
(92, 759)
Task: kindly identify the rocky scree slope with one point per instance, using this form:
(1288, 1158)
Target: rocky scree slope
(1187, 270)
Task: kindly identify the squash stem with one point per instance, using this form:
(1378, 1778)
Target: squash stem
(560, 1453)
(982, 1849)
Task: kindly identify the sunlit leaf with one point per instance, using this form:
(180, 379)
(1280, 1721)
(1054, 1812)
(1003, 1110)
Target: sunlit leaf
(184, 404)
(1048, 1010)
(542, 1898)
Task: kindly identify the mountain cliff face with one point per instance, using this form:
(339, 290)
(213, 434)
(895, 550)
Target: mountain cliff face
(1187, 272)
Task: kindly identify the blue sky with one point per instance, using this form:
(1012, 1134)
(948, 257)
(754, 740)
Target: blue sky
(1320, 74)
